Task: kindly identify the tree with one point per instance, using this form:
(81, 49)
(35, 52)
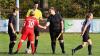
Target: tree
(67, 8)
(6, 7)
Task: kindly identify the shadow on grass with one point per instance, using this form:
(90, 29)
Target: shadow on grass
(13, 53)
(3, 52)
(41, 53)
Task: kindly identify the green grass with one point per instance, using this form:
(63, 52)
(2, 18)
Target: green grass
(44, 48)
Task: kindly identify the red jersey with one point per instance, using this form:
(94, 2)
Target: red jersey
(27, 31)
(30, 22)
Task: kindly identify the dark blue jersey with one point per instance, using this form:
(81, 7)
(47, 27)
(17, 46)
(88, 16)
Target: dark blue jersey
(88, 23)
(12, 19)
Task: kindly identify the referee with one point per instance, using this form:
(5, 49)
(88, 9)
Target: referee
(85, 34)
(38, 15)
(55, 23)
(11, 29)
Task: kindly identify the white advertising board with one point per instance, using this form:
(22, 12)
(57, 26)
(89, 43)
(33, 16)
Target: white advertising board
(3, 25)
(76, 25)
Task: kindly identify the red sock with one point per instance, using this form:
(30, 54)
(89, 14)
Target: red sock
(33, 47)
(19, 46)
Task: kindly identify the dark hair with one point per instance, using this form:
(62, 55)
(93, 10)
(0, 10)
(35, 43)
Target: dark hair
(52, 8)
(88, 15)
(15, 9)
(36, 2)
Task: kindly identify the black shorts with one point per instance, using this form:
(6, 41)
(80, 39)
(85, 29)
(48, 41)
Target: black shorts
(12, 36)
(36, 31)
(55, 34)
(86, 37)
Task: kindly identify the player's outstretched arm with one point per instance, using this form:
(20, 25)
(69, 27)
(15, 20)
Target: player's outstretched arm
(40, 26)
(44, 27)
(47, 24)
(84, 30)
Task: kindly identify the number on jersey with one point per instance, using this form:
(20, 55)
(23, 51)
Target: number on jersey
(31, 24)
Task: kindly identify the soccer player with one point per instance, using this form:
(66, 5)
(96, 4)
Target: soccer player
(85, 34)
(55, 23)
(28, 31)
(38, 15)
(12, 29)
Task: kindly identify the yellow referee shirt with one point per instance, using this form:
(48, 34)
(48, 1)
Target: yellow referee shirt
(37, 13)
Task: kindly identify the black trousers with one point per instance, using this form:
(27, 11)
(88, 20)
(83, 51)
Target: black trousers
(12, 36)
(54, 34)
(36, 31)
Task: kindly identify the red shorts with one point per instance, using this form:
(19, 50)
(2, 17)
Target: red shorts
(28, 34)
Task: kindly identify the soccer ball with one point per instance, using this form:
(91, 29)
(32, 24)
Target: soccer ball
(28, 51)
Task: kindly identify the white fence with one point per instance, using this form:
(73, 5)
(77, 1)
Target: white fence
(70, 25)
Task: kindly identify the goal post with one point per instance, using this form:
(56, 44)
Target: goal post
(17, 26)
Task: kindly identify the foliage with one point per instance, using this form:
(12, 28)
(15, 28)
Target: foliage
(6, 7)
(67, 8)
(76, 8)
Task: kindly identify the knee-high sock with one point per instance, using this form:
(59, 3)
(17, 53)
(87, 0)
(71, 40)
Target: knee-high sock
(53, 44)
(19, 46)
(10, 49)
(36, 43)
(32, 47)
(28, 44)
(78, 47)
(89, 49)
(11, 45)
(62, 46)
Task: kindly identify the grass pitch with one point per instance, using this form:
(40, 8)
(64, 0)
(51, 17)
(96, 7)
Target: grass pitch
(44, 48)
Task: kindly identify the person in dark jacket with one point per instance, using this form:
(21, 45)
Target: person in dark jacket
(56, 27)
(12, 29)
